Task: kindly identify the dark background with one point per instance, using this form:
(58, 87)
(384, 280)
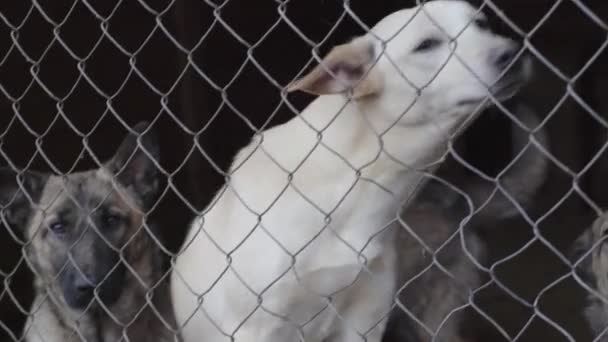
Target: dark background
(64, 82)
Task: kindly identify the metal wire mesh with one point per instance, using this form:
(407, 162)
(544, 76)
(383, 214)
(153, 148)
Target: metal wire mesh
(481, 254)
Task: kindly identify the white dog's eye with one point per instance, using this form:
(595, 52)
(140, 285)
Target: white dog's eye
(427, 44)
(482, 23)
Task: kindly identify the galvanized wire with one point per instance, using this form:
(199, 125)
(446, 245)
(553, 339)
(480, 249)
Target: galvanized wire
(163, 26)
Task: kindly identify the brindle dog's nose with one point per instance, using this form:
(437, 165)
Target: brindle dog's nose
(84, 286)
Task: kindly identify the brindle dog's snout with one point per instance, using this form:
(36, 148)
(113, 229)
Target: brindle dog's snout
(77, 289)
(97, 270)
(84, 289)
(84, 286)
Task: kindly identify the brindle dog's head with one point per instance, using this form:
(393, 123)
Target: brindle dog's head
(83, 228)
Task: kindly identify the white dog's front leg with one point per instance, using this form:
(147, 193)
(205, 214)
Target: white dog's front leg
(350, 331)
(282, 333)
(364, 309)
(351, 336)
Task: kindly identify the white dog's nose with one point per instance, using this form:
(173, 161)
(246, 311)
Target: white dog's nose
(506, 55)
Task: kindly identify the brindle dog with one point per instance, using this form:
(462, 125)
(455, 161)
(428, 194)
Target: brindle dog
(98, 267)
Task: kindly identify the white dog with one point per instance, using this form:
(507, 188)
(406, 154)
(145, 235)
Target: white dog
(297, 245)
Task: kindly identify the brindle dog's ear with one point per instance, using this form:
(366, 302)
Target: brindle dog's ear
(134, 168)
(18, 192)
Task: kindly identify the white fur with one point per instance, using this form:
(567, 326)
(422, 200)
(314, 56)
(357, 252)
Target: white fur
(281, 194)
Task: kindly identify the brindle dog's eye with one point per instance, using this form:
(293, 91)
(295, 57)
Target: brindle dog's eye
(57, 227)
(427, 44)
(112, 219)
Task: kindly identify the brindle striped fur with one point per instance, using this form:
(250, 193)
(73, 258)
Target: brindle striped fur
(86, 231)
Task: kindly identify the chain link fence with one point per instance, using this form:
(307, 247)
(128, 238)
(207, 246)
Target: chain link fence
(503, 243)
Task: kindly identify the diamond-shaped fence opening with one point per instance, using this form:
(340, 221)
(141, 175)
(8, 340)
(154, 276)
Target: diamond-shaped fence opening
(420, 198)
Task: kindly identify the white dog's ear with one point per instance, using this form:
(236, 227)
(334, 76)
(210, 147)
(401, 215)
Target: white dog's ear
(346, 67)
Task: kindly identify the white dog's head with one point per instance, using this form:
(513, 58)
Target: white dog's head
(439, 58)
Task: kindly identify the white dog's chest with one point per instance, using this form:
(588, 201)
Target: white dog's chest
(267, 255)
(271, 231)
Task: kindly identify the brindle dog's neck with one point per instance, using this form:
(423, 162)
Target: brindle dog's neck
(132, 314)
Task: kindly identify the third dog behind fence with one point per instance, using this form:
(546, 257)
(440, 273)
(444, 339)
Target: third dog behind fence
(592, 255)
